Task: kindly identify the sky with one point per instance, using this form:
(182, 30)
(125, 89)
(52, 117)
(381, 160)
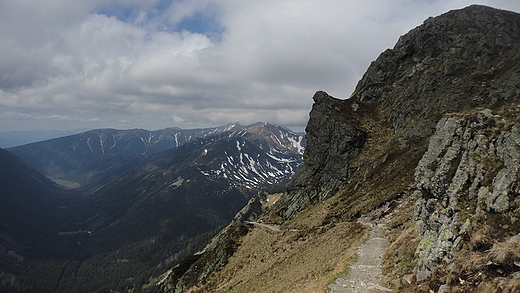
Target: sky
(78, 64)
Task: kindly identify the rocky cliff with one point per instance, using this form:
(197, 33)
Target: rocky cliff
(428, 145)
(331, 144)
(467, 187)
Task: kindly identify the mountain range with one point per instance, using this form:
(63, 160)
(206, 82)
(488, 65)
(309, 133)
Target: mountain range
(75, 158)
(143, 208)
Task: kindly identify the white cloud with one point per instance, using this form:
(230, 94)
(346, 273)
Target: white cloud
(126, 61)
(15, 115)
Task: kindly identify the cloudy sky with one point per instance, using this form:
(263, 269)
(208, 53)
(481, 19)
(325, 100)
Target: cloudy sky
(68, 64)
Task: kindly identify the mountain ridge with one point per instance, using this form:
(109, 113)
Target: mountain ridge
(76, 158)
(428, 145)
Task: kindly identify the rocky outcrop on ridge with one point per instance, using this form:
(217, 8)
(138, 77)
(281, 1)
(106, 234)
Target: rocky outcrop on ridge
(459, 60)
(331, 144)
(470, 169)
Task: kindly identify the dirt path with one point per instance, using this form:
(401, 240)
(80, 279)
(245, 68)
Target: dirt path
(365, 274)
(270, 227)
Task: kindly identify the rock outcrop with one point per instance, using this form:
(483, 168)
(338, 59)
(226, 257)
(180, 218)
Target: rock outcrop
(459, 60)
(331, 144)
(471, 167)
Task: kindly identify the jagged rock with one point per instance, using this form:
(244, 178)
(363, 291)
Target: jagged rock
(450, 62)
(409, 279)
(469, 157)
(459, 60)
(423, 128)
(252, 211)
(331, 144)
(443, 289)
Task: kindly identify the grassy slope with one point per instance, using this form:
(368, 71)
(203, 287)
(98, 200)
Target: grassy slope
(304, 257)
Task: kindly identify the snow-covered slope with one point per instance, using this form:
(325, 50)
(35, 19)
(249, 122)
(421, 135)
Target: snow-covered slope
(258, 155)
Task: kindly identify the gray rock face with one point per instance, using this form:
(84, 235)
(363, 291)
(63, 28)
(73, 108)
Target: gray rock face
(451, 62)
(252, 211)
(462, 60)
(470, 158)
(331, 143)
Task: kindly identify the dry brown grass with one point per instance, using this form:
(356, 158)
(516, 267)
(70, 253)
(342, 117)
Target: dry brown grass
(467, 264)
(492, 270)
(388, 182)
(511, 285)
(304, 257)
(399, 259)
(483, 239)
(313, 249)
(505, 254)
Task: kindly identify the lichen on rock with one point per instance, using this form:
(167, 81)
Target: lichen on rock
(463, 165)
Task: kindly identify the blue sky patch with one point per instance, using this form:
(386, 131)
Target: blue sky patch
(122, 12)
(202, 23)
(205, 21)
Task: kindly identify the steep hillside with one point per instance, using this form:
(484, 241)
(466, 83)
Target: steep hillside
(30, 219)
(77, 158)
(28, 203)
(426, 148)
